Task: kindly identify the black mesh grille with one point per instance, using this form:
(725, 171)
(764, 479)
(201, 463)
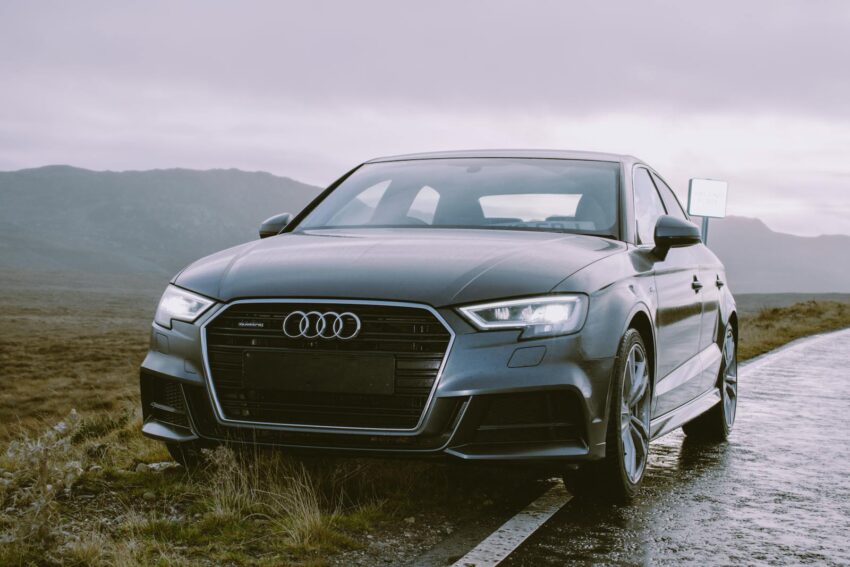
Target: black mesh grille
(166, 402)
(172, 396)
(412, 338)
(529, 417)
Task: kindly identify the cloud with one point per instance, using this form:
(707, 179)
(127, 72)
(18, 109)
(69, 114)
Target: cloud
(754, 93)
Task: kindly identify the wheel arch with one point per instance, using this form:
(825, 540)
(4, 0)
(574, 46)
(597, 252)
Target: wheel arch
(640, 321)
(728, 313)
(732, 319)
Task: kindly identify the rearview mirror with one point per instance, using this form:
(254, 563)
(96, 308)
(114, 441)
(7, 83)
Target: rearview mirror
(274, 225)
(673, 232)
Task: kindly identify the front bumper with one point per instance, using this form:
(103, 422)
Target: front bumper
(497, 399)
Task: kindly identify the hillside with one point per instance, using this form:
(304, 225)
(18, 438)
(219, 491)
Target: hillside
(153, 222)
(759, 260)
(61, 219)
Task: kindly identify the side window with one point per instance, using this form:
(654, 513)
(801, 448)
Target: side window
(424, 205)
(648, 206)
(671, 203)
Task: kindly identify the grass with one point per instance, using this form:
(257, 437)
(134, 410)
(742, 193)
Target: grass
(752, 303)
(72, 491)
(68, 342)
(773, 327)
(76, 495)
(65, 504)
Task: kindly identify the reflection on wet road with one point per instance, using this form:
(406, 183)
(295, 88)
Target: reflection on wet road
(777, 493)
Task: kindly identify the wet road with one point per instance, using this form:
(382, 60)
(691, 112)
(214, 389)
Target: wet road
(777, 493)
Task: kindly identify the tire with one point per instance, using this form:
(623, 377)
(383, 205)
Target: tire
(618, 476)
(716, 424)
(187, 454)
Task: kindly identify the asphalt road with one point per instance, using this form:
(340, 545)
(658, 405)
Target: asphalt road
(777, 493)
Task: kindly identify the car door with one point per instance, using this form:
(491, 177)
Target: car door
(709, 283)
(679, 311)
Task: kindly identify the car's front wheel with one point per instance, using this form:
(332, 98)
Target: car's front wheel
(618, 476)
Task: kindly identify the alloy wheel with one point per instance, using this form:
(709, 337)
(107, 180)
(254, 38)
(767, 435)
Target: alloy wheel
(730, 378)
(634, 413)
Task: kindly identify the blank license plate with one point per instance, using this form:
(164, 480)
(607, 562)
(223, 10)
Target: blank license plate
(309, 372)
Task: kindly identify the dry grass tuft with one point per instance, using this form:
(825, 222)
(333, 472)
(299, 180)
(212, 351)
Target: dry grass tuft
(299, 504)
(297, 510)
(36, 470)
(89, 548)
(38, 478)
(230, 489)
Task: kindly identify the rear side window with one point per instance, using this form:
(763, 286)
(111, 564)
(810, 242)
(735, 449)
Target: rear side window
(669, 198)
(648, 206)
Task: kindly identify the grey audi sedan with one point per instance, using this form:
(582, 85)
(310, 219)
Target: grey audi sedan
(545, 307)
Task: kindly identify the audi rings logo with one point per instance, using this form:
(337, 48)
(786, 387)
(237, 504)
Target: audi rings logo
(317, 325)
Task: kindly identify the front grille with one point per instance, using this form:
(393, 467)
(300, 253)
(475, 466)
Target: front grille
(412, 339)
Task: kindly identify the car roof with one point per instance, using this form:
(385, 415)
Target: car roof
(539, 154)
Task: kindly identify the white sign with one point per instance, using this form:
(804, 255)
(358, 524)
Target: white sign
(707, 198)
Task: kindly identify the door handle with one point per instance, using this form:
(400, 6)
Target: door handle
(696, 284)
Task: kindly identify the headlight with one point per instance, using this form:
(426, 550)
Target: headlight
(181, 305)
(537, 316)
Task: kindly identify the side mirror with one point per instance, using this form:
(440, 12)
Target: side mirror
(672, 232)
(274, 225)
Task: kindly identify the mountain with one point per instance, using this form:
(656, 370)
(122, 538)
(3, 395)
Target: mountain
(759, 260)
(63, 219)
(154, 222)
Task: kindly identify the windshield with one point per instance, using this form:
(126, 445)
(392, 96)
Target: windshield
(487, 193)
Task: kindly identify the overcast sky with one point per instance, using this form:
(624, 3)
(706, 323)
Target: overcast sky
(757, 93)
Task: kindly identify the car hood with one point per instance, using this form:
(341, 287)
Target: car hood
(433, 266)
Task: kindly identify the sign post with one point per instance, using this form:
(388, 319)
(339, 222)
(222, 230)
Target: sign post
(707, 199)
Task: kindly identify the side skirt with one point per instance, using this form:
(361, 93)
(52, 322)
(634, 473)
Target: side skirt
(666, 423)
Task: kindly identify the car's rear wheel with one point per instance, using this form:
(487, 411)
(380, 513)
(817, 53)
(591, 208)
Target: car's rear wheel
(716, 423)
(619, 475)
